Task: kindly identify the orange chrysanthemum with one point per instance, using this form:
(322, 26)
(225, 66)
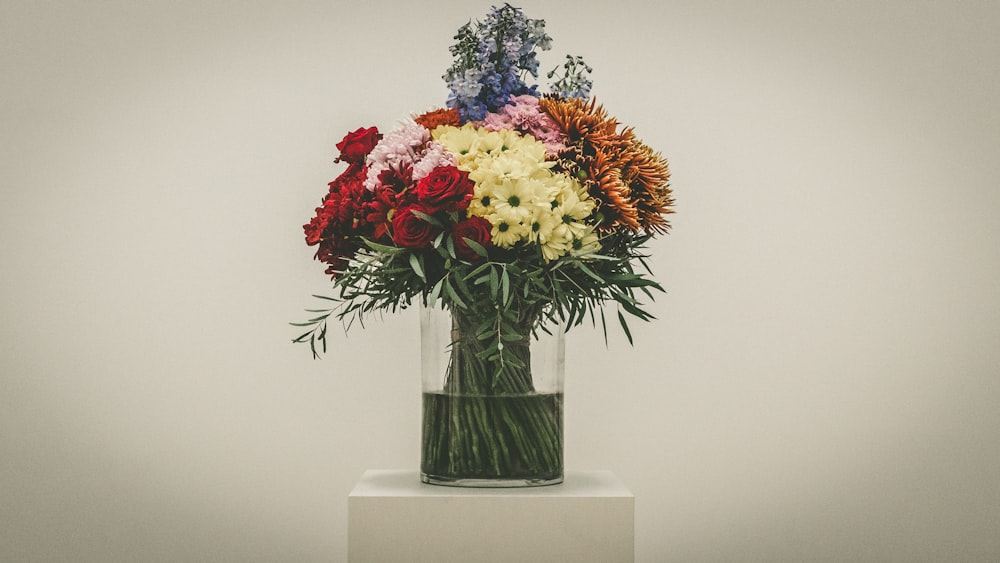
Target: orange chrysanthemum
(647, 173)
(434, 118)
(616, 206)
(630, 182)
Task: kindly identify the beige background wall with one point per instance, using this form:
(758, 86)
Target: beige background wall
(822, 382)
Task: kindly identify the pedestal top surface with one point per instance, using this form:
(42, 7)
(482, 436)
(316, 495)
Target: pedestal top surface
(406, 483)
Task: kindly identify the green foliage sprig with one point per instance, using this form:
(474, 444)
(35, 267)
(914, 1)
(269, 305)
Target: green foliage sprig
(503, 288)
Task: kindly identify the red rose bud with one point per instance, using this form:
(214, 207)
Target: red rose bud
(356, 146)
(446, 188)
(474, 228)
(410, 231)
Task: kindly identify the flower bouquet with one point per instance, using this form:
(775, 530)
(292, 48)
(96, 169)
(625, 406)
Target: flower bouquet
(512, 213)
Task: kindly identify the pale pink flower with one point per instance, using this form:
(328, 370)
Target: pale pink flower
(398, 149)
(525, 116)
(434, 156)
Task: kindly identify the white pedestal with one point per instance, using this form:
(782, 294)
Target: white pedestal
(392, 516)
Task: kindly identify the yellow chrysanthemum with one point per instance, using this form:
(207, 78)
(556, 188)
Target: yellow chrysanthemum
(461, 141)
(514, 200)
(542, 223)
(506, 233)
(588, 244)
(517, 191)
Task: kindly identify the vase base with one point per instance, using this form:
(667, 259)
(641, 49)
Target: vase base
(500, 483)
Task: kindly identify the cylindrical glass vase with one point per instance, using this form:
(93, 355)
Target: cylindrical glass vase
(490, 420)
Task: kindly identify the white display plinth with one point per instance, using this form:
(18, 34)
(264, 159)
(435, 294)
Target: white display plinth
(392, 516)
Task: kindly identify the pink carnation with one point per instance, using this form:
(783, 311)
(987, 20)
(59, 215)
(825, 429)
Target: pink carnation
(405, 148)
(397, 150)
(434, 156)
(525, 115)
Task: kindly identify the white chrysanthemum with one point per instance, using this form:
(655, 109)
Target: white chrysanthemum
(514, 200)
(503, 167)
(482, 201)
(589, 244)
(491, 142)
(526, 145)
(516, 191)
(505, 233)
(573, 210)
(541, 225)
(563, 187)
(461, 141)
(558, 244)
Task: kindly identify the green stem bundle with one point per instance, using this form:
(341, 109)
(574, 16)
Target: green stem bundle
(489, 422)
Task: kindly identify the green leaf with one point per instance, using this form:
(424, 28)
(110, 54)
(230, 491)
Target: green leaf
(428, 218)
(437, 240)
(505, 287)
(481, 268)
(391, 250)
(632, 308)
(435, 293)
(463, 287)
(583, 268)
(628, 334)
(494, 283)
(415, 264)
(450, 291)
(476, 247)
(645, 265)
(604, 328)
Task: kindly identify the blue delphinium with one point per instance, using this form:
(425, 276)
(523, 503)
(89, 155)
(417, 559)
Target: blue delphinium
(492, 59)
(573, 82)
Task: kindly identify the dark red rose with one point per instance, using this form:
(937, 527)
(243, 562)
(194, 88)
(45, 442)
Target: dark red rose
(473, 228)
(338, 223)
(379, 209)
(410, 231)
(446, 188)
(314, 229)
(356, 146)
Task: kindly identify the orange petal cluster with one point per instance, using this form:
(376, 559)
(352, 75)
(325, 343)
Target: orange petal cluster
(629, 180)
(434, 118)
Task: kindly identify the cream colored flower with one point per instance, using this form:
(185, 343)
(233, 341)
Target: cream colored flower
(589, 244)
(557, 245)
(542, 223)
(506, 234)
(491, 142)
(482, 201)
(514, 200)
(463, 141)
(516, 191)
(501, 168)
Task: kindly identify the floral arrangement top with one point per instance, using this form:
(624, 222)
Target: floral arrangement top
(507, 206)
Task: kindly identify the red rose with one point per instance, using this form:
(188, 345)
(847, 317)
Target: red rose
(446, 188)
(339, 206)
(410, 231)
(473, 228)
(356, 146)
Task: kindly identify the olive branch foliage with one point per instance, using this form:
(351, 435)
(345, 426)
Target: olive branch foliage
(499, 287)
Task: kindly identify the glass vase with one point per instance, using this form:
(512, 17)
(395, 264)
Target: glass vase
(490, 421)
